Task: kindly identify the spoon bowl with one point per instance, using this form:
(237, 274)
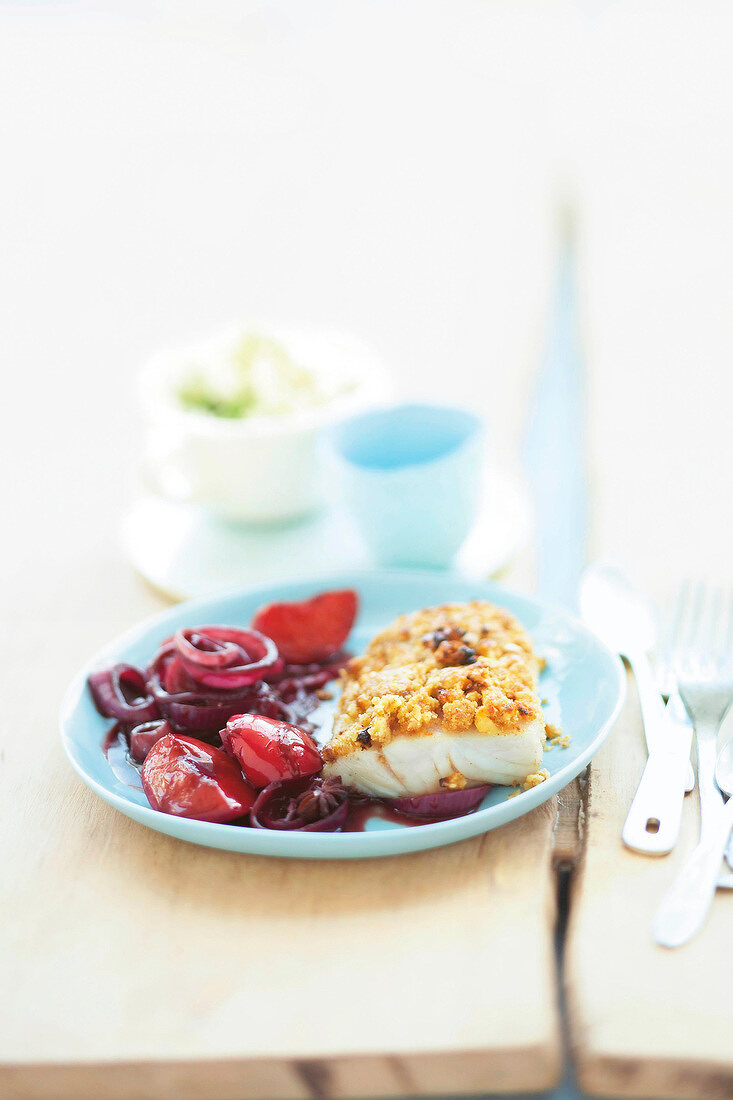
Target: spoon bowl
(617, 611)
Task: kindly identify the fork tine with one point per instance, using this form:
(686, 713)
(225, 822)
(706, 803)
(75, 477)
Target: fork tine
(702, 632)
(712, 633)
(664, 664)
(683, 601)
(701, 626)
(725, 638)
(681, 629)
(717, 630)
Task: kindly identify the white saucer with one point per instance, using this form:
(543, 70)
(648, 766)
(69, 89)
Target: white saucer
(185, 552)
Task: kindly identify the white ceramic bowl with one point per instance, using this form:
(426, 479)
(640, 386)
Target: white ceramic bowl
(258, 469)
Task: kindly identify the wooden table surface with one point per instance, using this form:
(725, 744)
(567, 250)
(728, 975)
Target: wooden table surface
(154, 203)
(137, 966)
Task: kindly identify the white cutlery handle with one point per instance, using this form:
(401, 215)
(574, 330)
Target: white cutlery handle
(690, 778)
(686, 904)
(653, 822)
(653, 712)
(711, 800)
(650, 701)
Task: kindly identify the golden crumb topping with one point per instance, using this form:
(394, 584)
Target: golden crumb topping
(452, 634)
(535, 779)
(463, 666)
(555, 737)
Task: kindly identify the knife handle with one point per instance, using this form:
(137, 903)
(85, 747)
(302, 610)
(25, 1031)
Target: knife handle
(650, 701)
(653, 713)
(653, 822)
(685, 906)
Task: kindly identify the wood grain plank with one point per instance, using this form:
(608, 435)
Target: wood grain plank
(645, 1021)
(139, 966)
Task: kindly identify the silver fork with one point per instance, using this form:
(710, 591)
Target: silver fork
(705, 677)
(666, 674)
(702, 660)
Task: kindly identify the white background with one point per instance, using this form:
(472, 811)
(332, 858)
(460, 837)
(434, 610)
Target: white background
(400, 169)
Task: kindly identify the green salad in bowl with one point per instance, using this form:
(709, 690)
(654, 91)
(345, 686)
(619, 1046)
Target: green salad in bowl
(258, 377)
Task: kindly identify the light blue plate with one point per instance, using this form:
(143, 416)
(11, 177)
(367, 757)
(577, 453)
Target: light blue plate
(583, 684)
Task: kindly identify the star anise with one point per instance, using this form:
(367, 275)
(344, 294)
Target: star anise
(318, 800)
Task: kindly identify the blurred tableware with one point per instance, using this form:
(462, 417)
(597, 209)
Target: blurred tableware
(666, 676)
(702, 661)
(685, 907)
(411, 477)
(724, 779)
(624, 618)
(724, 768)
(653, 822)
(186, 551)
(703, 664)
(256, 458)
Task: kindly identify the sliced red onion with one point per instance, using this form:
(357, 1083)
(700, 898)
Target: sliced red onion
(144, 736)
(307, 806)
(442, 804)
(173, 688)
(121, 692)
(205, 650)
(224, 657)
(306, 674)
(175, 678)
(193, 708)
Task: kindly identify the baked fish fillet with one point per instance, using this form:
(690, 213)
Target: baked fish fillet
(445, 698)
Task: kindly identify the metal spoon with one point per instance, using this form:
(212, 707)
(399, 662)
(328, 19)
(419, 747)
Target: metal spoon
(617, 611)
(724, 779)
(724, 768)
(624, 618)
(686, 904)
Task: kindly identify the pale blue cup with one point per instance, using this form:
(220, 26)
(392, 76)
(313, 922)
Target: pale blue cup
(411, 477)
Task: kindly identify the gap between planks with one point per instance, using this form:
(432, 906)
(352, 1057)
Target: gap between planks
(569, 832)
